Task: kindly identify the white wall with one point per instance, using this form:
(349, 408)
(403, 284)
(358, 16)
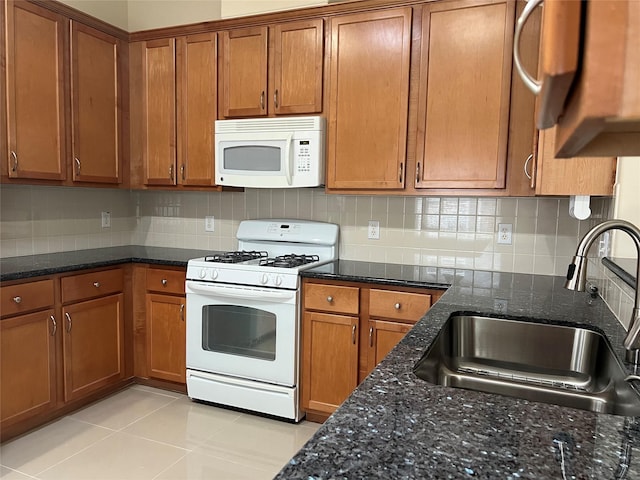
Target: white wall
(114, 12)
(149, 14)
(626, 204)
(239, 8)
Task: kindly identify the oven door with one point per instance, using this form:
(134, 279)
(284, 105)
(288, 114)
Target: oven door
(246, 332)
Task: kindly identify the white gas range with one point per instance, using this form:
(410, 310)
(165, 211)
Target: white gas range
(243, 315)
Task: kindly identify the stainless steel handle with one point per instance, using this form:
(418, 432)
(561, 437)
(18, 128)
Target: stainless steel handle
(164, 282)
(182, 312)
(96, 284)
(418, 173)
(526, 164)
(14, 168)
(171, 172)
(401, 172)
(55, 325)
(275, 98)
(66, 314)
(371, 336)
(262, 100)
(182, 171)
(353, 334)
(77, 160)
(329, 299)
(530, 82)
(397, 306)
(17, 299)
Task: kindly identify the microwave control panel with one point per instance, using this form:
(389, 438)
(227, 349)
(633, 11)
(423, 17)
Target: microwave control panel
(302, 152)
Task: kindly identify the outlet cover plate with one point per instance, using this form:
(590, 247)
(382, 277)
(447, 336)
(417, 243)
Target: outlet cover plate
(505, 232)
(373, 232)
(209, 224)
(106, 219)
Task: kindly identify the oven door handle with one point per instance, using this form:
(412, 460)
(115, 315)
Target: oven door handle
(252, 294)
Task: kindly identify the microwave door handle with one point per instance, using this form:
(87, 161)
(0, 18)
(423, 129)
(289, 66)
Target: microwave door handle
(287, 158)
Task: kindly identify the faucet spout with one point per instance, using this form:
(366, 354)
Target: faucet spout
(577, 273)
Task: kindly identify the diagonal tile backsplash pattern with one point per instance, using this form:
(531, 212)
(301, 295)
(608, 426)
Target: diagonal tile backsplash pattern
(458, 232)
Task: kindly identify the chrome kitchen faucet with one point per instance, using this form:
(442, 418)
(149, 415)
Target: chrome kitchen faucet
(577, 278)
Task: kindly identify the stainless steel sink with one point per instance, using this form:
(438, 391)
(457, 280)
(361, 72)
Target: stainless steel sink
(569, 366)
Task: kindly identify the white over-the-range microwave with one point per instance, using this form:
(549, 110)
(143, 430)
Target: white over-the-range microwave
(270, 152)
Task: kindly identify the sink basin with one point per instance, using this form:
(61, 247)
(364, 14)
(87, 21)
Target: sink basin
(569, 366)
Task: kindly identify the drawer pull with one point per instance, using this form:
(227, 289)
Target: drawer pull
(397, 306)
(371, 336)
(353, 334)
(17, 299)
(329, 299)
(96, 284)
(182, 312)
(164, 282)
(66, 314)
(55, 325)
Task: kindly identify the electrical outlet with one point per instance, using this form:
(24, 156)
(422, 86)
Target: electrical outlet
(505, 231)
(209, 224)
(373, 233)
(500, 305)
(106, 219)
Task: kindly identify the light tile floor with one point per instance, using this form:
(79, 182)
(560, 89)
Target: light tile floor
(145, 433)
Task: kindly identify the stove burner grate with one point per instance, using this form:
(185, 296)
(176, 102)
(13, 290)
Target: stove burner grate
(236, 256)
(289, 261)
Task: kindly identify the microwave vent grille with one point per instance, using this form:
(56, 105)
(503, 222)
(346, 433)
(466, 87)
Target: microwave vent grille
(269, 124)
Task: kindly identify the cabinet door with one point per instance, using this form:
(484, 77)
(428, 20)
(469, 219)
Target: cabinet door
(571, 176)
(27, 366)
(368, 100)
(94, 100)
(36, 40)
(93, 345)
(330, 360)
(298, 60)
(159, 112)
(383, 336)
(244, 72)
(463, 106)
(167, 337)
(196, 96)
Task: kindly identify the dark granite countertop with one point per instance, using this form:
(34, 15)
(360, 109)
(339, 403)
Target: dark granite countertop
(395, 425)
(16, 268)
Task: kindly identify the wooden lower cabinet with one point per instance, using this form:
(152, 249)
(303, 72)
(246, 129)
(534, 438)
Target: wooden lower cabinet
(383, 336)
(330, 362)
(93, 345)
(347, 329)
(166, 348)
(27, 366)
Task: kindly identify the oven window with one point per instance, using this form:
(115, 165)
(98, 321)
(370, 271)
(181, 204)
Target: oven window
(252, 158)
(236, 330)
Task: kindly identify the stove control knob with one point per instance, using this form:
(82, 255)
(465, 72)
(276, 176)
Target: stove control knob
(278, 280)
(214, 274)
(203, 272)
(264, 279)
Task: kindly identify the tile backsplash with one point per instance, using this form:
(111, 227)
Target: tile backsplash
(458, 232)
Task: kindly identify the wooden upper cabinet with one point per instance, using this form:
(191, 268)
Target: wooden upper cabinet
(368, 100)
(463, 106)
(273, 70)
(36, 97)
(297, 67)
(243, 79)
(196, 95)
(159, 112)
(94, 97)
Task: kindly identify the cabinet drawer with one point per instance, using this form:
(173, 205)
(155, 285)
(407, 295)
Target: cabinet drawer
(166, 281)
(331, 298)
(26, 297)
(398, 305)
(88, 285)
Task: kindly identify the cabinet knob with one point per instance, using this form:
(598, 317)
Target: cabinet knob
(164, 282)
(397, 306)
(329, 299)
(96, 284)
(17, 299)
